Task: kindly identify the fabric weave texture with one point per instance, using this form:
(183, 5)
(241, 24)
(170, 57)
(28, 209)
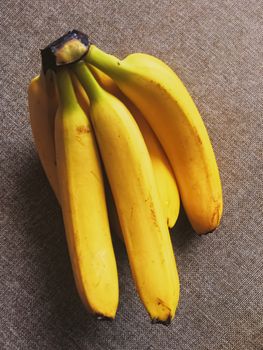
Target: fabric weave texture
(216, 47)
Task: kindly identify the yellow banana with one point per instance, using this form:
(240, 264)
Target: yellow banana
(42, 101)
(42, 109)
(84, 102)
(163, 172)
(83, 204)
(166, 104)
(132, 182)
(42, 117)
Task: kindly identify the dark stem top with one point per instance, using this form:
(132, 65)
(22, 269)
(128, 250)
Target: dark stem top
(68, 49)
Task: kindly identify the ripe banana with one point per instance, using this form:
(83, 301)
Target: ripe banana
(83, 204)
(129, 169)
(84, 102)
(166, 104)
(42, 108)
(163, 172)
(43, 104)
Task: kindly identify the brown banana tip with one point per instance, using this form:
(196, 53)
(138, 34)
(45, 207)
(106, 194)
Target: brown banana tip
(206, 233)
(166, 322)
(101, 317)
(69, 48)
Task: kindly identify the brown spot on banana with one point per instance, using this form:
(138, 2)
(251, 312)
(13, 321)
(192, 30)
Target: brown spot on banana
(168, 320)
(214, 220)
(82, 129)
(153, 215)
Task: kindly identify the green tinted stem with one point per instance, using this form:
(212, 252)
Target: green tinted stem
(102, 60)
(87, 80)
(67, 97)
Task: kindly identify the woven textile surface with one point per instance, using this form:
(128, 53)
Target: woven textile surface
(216, 47)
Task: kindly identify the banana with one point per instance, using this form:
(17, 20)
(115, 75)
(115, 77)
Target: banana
(129, 170)
(42, 108)
(83, 204)
(42, 101)
(168, 107)
(163, 172)
(84, 102)
(42, 117)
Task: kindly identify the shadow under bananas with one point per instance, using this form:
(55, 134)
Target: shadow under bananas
(182, 234)
(59, 318)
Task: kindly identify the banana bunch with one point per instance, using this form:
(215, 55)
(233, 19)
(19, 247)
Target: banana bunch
(121, 143)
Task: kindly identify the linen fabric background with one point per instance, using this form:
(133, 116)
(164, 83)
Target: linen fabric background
(216, 47)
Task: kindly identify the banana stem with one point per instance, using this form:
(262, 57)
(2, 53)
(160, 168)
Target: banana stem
(67, 97)
(102, 60)
(90, 84)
